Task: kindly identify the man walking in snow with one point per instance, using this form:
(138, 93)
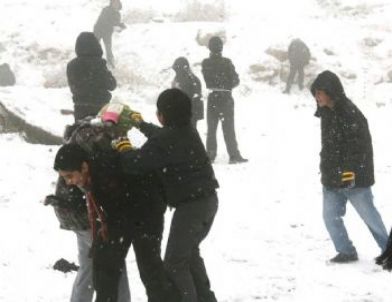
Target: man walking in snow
(299, 56)
(346, 165)
(104, 27)
(220, 77)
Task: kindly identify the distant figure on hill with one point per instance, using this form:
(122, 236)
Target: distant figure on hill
(7, 77)
(186, 81)
(104, 27)
(88, 77)
(299, 56)
(220, 77)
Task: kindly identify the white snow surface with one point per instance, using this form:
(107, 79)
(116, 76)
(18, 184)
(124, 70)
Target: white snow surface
(268, 242)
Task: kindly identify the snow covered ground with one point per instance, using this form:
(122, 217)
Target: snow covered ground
(269, 242)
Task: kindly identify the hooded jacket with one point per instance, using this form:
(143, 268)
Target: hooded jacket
(189, 83)
(345, 137)
(88, 77)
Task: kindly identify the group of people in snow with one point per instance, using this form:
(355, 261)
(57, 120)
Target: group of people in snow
(113, 195)
(127, 191)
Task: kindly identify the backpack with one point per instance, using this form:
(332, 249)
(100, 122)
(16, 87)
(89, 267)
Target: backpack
(69, 201)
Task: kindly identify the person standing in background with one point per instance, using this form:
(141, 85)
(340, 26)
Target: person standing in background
(220, 77)
(299, 56)
(189, 83)
(89, 78)
(104, 27)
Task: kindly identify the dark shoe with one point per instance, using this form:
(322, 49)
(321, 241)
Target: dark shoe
(344, 258)
(211, 157)
(237, 160)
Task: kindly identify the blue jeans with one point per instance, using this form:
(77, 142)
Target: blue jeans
(334, 208)
(83, 290)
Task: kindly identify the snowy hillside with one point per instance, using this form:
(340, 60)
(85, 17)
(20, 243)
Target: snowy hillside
(269, 242)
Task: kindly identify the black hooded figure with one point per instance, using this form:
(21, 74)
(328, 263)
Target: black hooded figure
(220, 77)
(346, 165)
(299, 56)
(186, 81)
(104, 27)
(88, 77)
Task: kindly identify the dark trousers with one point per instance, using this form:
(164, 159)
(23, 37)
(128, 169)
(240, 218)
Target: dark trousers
(190, 225)
(220, 107)
(109, 258)
(293, 70)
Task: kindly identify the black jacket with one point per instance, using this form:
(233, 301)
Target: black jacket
(219, 72)
(88, 77)
(345, 137)
(190, 84)
(179, 159)
(69, 205)
(107, 20)
(298, 53)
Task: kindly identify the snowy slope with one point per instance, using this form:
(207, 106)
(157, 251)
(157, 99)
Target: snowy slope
(269, 242)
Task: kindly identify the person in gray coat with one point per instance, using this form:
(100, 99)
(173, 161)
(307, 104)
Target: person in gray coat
(104, 27)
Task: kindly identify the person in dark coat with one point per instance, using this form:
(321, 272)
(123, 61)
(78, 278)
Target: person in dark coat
(299, 56)
(88, 77)
(177, 155)
(346, 165)
(7, 77)
(104, 27)
(186, 80)
(70, 208)
(130, 210)
(220, 77)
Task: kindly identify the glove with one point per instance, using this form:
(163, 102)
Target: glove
(348, 179)
(64, 266)
(51, 200)
(122, 144)
(135, 118)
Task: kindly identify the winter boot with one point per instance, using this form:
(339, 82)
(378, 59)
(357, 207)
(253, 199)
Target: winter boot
(344, 258)
(237, 160)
